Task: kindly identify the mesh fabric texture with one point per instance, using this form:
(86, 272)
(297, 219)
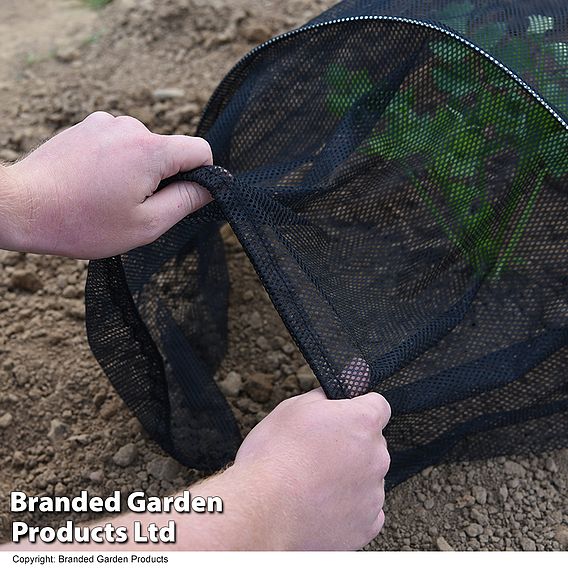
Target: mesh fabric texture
(396, 173)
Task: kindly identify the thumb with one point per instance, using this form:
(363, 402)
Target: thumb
(177, 200)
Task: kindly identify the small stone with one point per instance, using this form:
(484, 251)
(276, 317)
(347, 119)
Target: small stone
(550, 465)
(262, 342)
(306, 378)
(126, 455)
(429, 504)
(25, 280)
(70, 292)
(232, 384)
(61, 281)
(256, 32)
(168, 94)
(272, 362)
(183, 113)
(255, 320)
(76, 310)
(443, 544)
(18, 459)
(164, 469)
(513, 468)
(109, 409)
(7, 155)
(248, 406)
(57, 431)
(478, 517)
(6, 420)
(67, 54)
(259, 387)
(480, 495)
(248, 295)
(97, 476)
(9, 258)
(473, 530)
(288, 348)
(528, 544)
(561, 536)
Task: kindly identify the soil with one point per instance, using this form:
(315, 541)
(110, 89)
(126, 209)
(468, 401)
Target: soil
(62, 427)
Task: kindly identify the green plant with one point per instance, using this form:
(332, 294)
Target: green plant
(347, 87)
(459, 140)
(526, 55)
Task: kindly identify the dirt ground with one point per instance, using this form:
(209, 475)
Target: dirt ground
(62, 427)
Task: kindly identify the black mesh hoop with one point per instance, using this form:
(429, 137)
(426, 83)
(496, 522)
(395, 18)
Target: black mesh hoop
(396, 173)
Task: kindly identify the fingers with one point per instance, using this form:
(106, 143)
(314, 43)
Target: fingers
(378, 524)
(384, 462)
(165, 208)
(98, 117)
(377, 405)
(183, 153)
(170, 205)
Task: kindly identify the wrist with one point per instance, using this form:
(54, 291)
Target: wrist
(15, 207)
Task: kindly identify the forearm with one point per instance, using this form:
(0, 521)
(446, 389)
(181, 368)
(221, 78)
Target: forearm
(248, 520)
(246, 523)
(14, 203)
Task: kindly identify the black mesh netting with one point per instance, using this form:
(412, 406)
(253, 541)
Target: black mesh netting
(401, 192)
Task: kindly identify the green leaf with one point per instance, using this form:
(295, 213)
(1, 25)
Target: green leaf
(406, 132)
(449, 52)
(507, 113)
(338, 76)
(401, 104)
(455, 81)
(361, 83)
(559, 51)
(540, 24)
(381, 145)
(346, 87)
(339, 104)
(457, 166)
(488, 105)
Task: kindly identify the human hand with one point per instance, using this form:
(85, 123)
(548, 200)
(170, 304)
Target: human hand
(89, 191)
(322, 464)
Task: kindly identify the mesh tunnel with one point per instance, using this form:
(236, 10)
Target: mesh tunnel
(396, 173)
